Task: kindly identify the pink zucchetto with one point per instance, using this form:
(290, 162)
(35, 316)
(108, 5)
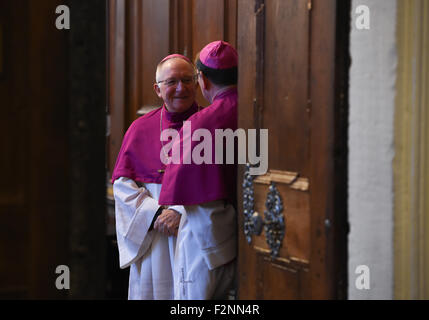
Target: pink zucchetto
(219, 55)
(176, 55)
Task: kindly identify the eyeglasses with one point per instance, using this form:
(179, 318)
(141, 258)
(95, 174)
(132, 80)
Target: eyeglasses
(174, 82)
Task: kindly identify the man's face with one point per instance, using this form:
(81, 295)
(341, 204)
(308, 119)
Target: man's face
(178, 97)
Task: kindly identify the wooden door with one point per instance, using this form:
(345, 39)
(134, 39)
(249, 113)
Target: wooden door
(52, 131)
(33, 192)
(288, 83)
(13, 205)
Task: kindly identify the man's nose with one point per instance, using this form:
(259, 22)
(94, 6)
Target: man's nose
(180, 86)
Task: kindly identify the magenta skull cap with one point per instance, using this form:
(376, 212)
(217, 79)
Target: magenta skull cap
(175, 55)
(219, 55)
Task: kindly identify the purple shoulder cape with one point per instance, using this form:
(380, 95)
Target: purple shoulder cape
(189, 184)
(139, 156)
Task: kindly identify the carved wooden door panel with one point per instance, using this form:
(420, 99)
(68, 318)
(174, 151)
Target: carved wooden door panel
(288, 246)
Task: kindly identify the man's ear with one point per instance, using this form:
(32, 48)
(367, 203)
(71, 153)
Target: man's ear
(204, 81)
(157, 90)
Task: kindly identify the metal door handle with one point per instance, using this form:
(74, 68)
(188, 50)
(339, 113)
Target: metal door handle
(258, 223)
(248, 204)
(273, 224)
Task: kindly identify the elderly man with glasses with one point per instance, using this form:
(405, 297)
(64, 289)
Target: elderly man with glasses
(146, 231)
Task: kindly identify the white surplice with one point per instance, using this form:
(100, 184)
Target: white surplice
(149, 254)
(202, 264)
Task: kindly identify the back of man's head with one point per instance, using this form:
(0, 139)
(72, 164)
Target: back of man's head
(218, 61)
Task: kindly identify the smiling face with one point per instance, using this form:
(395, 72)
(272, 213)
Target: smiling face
(179, 97)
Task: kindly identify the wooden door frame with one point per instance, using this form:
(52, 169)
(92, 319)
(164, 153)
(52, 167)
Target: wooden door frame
(329, 115)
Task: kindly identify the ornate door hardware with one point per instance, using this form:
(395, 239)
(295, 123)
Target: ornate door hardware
(248, 204)
(273, 224)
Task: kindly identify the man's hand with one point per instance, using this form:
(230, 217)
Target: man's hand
(168, 222)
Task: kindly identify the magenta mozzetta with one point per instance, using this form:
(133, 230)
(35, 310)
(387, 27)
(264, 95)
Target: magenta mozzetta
(139, 158)
(188, 184)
